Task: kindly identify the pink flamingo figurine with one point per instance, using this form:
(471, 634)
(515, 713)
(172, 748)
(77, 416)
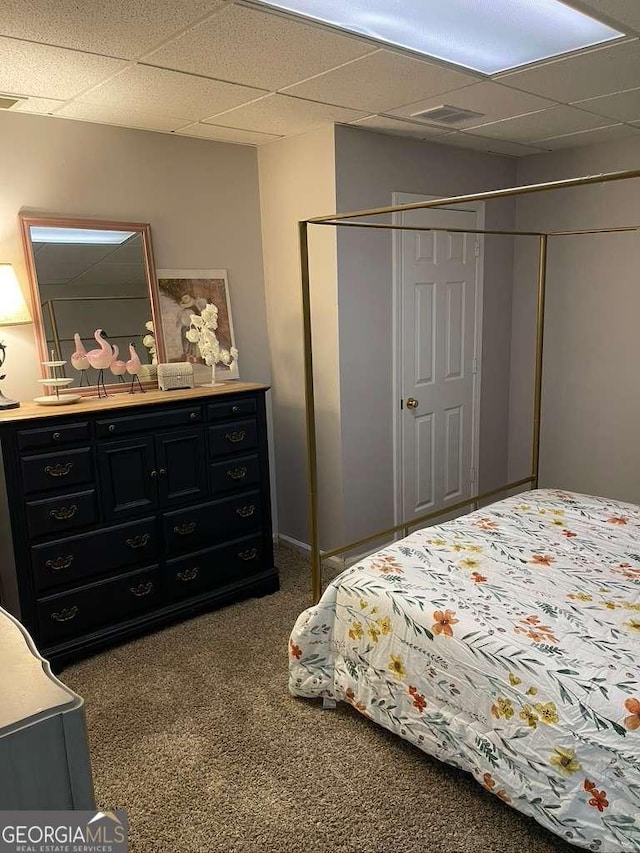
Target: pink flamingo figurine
(117, 366)
(79, 358)
(100, 359)
(133, 368)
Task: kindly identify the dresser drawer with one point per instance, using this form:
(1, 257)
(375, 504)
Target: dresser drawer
(231, 409)
(233, 437)
(56, 470)
(188, 529)
(113, 427)
(234, 474)
(57, 515)
(78, 559)
(53, 436)
(213, 567)
(104, 603)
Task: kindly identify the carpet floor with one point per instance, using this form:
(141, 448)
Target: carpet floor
(192, 730)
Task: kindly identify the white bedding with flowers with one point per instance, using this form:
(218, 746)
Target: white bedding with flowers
(505, 643)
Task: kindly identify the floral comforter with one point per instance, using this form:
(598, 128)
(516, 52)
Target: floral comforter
(505, 643)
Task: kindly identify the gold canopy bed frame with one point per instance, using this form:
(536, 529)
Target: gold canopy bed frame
(343, 220)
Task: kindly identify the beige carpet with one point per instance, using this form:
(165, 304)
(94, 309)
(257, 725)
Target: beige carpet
(192, 730)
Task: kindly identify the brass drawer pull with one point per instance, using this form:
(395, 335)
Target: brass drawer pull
(136, 542)
(249, 554)
(185, 528)
(245, 511)
(58, 564)
(188, 574)
(141, 589)
(64, 513)
(59, 470)
(56, 436)
(237, 473)
(235, 437)
(66, 614)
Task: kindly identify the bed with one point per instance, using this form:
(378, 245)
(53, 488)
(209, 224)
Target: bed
(504, 643)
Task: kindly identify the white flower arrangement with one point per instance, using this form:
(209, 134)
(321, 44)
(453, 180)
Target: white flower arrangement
(149, 341)
(202, 332)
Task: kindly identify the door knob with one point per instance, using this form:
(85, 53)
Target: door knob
(412, 403)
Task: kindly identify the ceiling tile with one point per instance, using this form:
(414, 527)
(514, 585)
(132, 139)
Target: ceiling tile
(583, 75)
(540, 125)
(461, 139)
(161, 92)
(227, 134)
(50, 72)
(591, 137)
(285, 116)
(117, 27)
(386, 124)
(381, 82)
(119, 116)
(626, 12)
(37, 105)
(623, 106)
(494, 101)
(257, 49)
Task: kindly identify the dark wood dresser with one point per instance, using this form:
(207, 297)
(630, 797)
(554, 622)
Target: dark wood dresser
(119, 515)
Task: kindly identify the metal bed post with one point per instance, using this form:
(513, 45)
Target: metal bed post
(310, 415)
(537, 401)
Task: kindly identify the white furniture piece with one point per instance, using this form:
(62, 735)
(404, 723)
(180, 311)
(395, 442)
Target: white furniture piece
(44, 758)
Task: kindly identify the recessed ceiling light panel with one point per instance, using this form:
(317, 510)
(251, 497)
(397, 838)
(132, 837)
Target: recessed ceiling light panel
(488, 36)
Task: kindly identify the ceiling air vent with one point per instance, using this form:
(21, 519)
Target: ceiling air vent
(446, 115)
(8, 101)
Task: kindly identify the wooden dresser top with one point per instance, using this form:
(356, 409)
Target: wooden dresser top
(124, 400)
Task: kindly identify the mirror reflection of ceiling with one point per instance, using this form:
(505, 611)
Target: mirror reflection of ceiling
(75, 265)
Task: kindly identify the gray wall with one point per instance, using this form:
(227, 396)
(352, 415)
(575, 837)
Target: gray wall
(297, 181)
(369, 168)
(591, 393)
(201, 198)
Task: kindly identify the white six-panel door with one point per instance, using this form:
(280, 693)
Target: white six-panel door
(438, 365)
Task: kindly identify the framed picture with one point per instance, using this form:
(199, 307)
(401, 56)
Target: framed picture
(182, 293)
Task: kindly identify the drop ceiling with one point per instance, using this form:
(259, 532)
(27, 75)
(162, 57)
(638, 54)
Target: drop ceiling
(234, 72)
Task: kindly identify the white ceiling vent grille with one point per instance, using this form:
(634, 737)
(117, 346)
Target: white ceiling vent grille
(447, 115)
(8, 101)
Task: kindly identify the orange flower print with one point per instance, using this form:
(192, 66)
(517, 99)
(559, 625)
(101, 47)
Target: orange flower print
(443, 622)
(617, 519)
(486, 524)
(387, 565)
(476, 577)
(633, 721)
(598, 798)
(569, 534)
(350, 696)
(295, 651)
(540, 560)
(489, 783)
(355, 631)
(419, 701)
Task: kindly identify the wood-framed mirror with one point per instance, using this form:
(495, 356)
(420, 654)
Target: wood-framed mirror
(88, 274)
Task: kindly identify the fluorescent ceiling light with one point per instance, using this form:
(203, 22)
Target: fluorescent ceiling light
(487, 36)
(42, 234)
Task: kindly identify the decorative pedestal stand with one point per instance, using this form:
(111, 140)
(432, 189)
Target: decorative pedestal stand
(57, 382)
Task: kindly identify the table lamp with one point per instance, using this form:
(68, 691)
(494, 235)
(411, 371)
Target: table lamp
(13, 312)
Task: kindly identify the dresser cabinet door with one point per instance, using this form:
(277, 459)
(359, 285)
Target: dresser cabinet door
(181, 465)
(129, 476)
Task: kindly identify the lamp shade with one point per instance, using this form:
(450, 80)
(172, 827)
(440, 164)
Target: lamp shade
(13, 308)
